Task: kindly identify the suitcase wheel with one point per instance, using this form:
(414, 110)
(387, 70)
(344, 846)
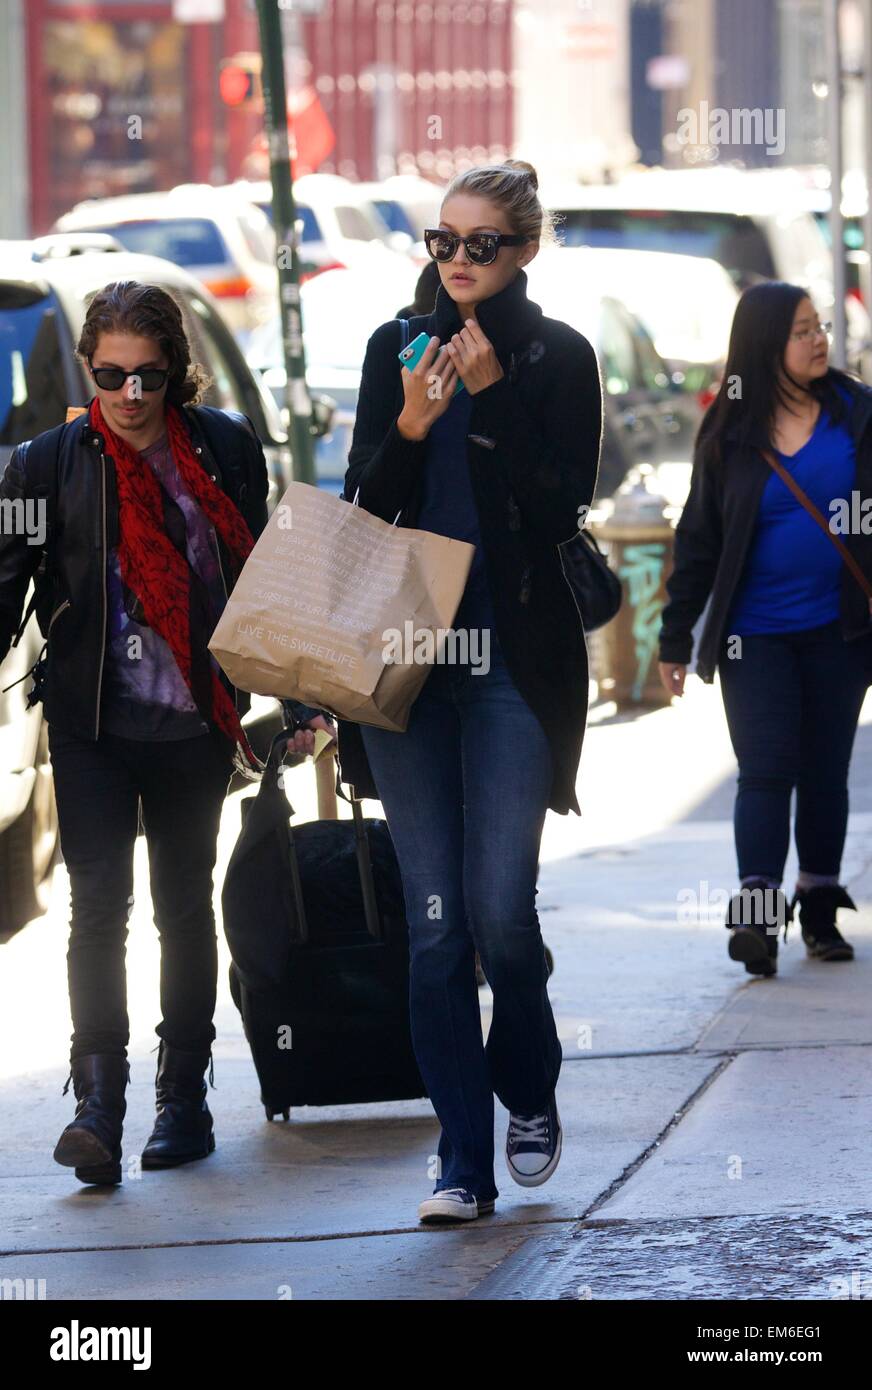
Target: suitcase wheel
(271, 1114)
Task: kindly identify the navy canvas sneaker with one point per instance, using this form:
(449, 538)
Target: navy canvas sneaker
(453, 1204)
(533, 1146)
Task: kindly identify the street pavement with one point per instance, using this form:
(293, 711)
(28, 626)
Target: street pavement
(716, 1127)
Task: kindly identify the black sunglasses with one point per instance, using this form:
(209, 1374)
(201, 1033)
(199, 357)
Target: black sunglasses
(481, 247)
(113, 378)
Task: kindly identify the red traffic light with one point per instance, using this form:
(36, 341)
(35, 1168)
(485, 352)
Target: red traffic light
(236, 85)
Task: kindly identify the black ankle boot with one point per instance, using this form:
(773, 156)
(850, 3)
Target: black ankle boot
(754, 915)
(817, 919)
(183, 1129)
(91, 1143)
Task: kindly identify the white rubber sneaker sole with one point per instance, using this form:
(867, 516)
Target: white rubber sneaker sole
(439, 1208)
(537, 1179)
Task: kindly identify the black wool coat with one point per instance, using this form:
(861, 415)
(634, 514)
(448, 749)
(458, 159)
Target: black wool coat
(533, 450)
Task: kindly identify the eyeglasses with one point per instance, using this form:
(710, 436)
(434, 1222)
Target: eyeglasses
(481, 247)
(113, 378)
(805, 335)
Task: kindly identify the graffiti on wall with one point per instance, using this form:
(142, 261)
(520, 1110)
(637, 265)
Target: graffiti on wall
(641, 570)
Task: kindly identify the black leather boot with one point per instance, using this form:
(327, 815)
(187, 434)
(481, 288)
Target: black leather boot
(91, 1143)
(183, 1129)
(817, 919)
(754, 915)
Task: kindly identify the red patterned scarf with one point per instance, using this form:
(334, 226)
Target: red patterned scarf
(160, 575)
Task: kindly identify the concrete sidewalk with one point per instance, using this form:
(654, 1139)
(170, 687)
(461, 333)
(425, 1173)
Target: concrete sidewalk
(716, 1126)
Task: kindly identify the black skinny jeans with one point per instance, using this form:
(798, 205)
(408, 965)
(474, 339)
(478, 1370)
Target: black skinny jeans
(181, 785)
(792, 701)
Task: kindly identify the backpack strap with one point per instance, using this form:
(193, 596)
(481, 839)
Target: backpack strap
(209, 414)
(805, 501)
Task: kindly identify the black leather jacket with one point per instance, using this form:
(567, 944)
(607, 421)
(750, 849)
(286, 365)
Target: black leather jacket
(83, 516)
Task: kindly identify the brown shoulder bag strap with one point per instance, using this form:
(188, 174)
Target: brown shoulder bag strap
(805, 501)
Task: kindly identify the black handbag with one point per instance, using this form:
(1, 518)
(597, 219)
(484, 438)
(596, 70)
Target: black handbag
(596, 588)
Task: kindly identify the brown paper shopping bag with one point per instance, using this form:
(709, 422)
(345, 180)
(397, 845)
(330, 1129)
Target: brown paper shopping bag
(334, 605)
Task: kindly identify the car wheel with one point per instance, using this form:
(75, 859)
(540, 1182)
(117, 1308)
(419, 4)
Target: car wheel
(29, 850)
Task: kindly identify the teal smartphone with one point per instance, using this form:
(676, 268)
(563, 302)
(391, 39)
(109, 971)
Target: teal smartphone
(411, 355)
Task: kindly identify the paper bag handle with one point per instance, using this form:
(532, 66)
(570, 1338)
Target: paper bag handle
(355, 503)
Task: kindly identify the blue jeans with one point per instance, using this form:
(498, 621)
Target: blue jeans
(792, 701)
(465, 790)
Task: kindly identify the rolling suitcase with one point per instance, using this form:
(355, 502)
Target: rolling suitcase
(315, 921)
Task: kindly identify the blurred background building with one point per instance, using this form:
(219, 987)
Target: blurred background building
(122, 96)
(378, 88)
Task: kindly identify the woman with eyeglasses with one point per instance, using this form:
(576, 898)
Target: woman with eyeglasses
(493, 438)
(774, 537)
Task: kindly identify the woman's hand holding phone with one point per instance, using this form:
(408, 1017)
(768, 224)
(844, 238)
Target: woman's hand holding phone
(425, 398)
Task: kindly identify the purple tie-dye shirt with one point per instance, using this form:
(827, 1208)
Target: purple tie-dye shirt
(143, 694)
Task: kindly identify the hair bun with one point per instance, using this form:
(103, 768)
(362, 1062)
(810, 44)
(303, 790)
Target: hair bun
(521, 166)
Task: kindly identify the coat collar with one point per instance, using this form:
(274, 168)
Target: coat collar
(88, 435)
(508, 318)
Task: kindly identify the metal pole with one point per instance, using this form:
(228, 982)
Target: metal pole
(14, 162)
(834, 144)
(867, 150)
(284, 216)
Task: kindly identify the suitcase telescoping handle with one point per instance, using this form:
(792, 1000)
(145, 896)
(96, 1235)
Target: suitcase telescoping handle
(374, 924)
(364, 866)
(273, 769)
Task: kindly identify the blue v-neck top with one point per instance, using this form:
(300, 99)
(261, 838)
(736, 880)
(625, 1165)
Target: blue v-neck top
(793, 574)
(448, 505)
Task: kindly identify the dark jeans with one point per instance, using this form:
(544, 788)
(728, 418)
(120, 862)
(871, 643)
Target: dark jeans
(792, 702)
(465, 790)
(181, 785)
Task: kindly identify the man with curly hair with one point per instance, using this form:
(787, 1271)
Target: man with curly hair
(154, 501)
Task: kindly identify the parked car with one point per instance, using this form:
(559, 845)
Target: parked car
(408, 204)
(808, 186)
(339, 226)
(649, 416)
(341, 309)
(757, 227)
(45, 288)
(222, 240)
(686, 303)
(28, 816)
(748, 226)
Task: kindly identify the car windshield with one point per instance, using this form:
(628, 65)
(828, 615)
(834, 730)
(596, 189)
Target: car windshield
(186, 241)
(735, 241)
(311, 229)
(32, 389)
(358, 225)
(394, 215)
